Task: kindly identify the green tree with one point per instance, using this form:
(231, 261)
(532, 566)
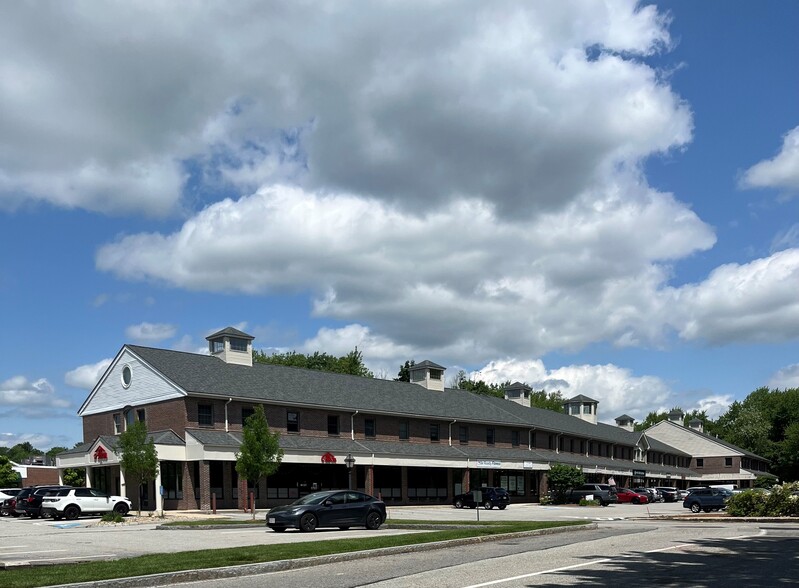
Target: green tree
(404, 374)
(8, 476)
(561, 477)
(480, 387)
(75, 477)
(351, 363)
(260, 453)
(551, 401)
(22, 451)
(137, 457)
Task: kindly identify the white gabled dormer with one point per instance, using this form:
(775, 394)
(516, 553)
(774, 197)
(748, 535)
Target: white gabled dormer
(231, 346)
(518, 393)
(582, 407)
(428, 374)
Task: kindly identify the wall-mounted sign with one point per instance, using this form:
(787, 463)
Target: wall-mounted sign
(528, 465)
(639, 473)
(489, 463)
(328, 458)
(100, 454)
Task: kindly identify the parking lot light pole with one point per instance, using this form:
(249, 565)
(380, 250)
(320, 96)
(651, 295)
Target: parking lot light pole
(350, 462)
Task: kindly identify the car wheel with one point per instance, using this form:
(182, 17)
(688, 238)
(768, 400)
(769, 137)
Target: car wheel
(502, 506)
(459, 503)
(488, 505)
(343, 528)
(308, 522)
(636, 501)
(278, 529)
(121, 508)
(695, 508)
(71, 512)
(373, 521)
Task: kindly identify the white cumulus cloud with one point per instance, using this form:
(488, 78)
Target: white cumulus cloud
(787, 377)
(150, 332)
(86, 376)
(781, 171)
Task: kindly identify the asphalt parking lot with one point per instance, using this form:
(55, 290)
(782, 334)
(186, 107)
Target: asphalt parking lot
(38, 541)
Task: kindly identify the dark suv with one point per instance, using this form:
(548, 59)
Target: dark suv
(487, 497)
(29, 500)
(707, 499)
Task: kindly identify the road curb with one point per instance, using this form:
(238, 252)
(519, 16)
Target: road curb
(307, 562)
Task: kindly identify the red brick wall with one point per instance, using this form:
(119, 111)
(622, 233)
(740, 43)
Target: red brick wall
(170, 414)
(40, 475)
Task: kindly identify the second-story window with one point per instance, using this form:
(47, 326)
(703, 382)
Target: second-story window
(292, 421)
(205, 415)
(369, 428)
(140, 414)
(728, 462)
(246, 413)
(404, 430)
(434, 432)
(117, 423)
(514, 438)
(463, 434)
(333, 425)
(490, 436)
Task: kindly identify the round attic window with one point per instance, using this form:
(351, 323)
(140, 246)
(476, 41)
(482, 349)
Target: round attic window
(127, 376)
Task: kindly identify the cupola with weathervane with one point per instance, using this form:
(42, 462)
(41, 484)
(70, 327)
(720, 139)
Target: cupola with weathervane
(428, 374)
(231, 346)
(582, 407)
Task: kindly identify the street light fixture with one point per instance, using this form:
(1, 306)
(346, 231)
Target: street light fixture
(350, 462)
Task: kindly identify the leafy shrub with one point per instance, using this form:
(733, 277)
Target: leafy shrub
(779, 502)
(584, 502)
(112, 517)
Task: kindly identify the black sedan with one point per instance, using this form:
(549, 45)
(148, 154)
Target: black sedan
(332, 508)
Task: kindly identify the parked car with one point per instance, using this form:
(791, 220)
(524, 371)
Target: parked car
(7, 499)
(331, 508)
(707, 499)
(70, 503)
(627, 495)
(487, 497)
(604, 493)
(29, 499)
(651, 493)
(682, 494)
(669, 493)
(695, 488)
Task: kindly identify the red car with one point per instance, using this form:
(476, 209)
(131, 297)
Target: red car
(627, 495)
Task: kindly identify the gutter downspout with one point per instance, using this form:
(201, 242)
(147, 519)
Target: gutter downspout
(557, 442)
(352, 424)
(530, 434)
(450, 431)
(227, 427)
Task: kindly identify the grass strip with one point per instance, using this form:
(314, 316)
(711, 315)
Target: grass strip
(234, 556)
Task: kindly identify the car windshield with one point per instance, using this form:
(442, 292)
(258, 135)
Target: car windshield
(315, 498)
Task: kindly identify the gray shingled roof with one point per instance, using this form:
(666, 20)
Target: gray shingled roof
(168, 437)
(206, 375)
(230, 332)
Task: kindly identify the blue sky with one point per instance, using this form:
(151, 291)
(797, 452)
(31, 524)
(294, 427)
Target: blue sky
(600, 199)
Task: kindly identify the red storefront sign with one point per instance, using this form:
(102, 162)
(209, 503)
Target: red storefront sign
(328, 458)
(100, 454)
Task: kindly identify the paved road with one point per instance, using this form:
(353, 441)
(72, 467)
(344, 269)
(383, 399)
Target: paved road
(44, 540)
(616, 554)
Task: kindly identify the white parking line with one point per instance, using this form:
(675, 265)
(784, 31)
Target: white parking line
(12, 546)
(28, 552)
(541, 573)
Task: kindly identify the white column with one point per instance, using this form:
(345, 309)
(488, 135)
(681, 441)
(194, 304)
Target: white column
(88, 477)
(159, 500)
(123, 488)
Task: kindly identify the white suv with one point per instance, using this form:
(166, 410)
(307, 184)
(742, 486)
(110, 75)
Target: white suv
(70, 503)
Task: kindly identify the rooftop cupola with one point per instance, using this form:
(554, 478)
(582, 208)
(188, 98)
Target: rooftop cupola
(231, 346)
(697, 425)
(676, 416)
(428, 374)
(519, 393)
(626, 422)
(582, 407)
